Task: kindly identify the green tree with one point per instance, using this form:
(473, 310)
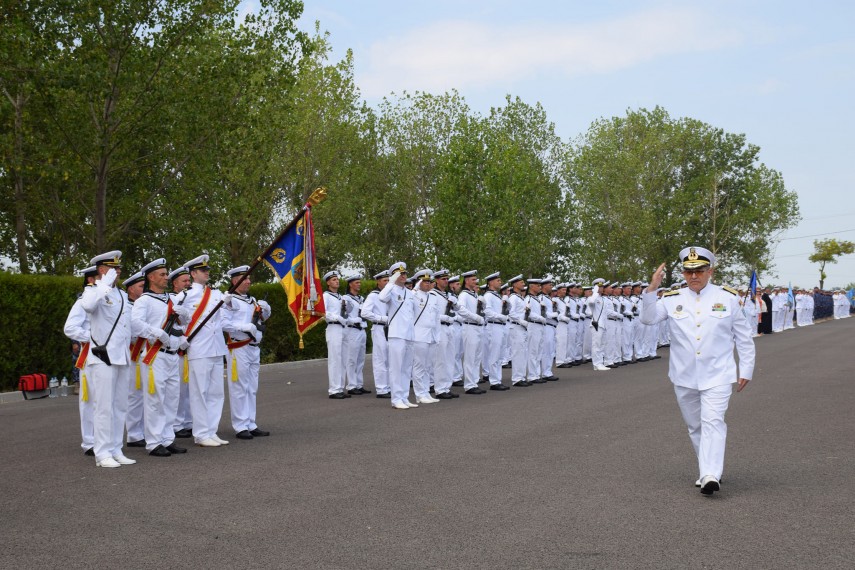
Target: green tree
(827, 251)
(647, 185)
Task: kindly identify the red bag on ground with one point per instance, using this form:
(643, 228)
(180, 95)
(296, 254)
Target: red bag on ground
(33, 383)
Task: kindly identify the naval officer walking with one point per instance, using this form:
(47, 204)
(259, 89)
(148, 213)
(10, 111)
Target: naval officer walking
(706, 323)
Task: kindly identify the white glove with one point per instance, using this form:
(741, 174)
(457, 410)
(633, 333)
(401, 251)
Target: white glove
(175, 343)
(257, 336)
(227, 299)
(265, 309)
(354, 321)
(182, 311)
(245, 327)
(481, 320)
(184, 343)
(109, 277)
(161, 336)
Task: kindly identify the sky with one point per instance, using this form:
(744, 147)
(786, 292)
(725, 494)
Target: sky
(781, 72)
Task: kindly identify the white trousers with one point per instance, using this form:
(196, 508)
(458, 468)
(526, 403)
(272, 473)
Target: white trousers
(472, 346)
(638, 334)
(135, 418)
(335, 357)
(495, 346)
(613, 342)
(561, 334)
(486, 340)
(547, 353)
(380, 359)
(577, 343)
(703, 411)
(424, 356)
(243, 390)
(87, 412)
(183, 417)
(458, 352)
(354, 357)
(534, 360)
(207, 395)
(788, 318)
(587, 339)
(162, 406)
(598, 346)
(108, 393)
(519, 352)
(628, 338)
(506, 345)
(443, 363)
(400, 369)
(777, 321)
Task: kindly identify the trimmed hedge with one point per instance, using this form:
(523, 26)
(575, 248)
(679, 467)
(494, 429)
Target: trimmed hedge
(34, 309)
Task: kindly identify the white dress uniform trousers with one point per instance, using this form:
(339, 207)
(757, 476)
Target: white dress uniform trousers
(335, 342)
(375, 313)
(77, 328)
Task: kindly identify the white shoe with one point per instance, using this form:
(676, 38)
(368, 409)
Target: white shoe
(400, 406)
(210, 442)
(709, 485)
(602, 368)
(219, 440)
(410, 404)
(122, 460)
(427, 400)
(109, 462)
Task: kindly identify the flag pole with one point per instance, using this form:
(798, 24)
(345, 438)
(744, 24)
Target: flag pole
(315, 198)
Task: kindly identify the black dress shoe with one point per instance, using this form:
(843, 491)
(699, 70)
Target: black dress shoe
(537, 381)
(386, 396)
(476, 390)
(184, 433)
(355, 392)
(160, 451)
(432, 390)
(655, 357)
(551, 378)
(243, 434)
(259, 432)
(564, 365)
(90, 452)
(454, 394)
(364, 391)
(522, 384)
(457, 383)
(444, 396)
(499, 387)
(138, 443)
(338, 396)
(172, 448)
(484, 379)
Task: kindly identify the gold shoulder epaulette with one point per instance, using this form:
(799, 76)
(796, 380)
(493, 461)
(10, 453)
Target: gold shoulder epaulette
(669, 293)
(730, 290)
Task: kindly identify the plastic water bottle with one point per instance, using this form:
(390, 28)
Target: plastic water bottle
(63, 387)
(53, 387)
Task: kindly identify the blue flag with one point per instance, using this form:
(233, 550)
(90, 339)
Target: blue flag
(752, 285)
(791, 299)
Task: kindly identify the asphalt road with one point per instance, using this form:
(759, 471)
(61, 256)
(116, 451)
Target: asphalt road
(593, 471)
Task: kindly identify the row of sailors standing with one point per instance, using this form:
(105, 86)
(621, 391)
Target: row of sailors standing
(437, 331)
(144, 377)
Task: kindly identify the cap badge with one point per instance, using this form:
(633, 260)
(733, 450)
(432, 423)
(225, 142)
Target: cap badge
(693, 255)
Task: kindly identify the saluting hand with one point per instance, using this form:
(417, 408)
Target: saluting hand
(656, 280)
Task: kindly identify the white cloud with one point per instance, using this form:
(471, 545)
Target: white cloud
(459, 54)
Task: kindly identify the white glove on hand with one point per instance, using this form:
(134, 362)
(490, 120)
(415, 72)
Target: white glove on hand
(184, 344)
(182, 311)
(162, 336)
(227, 299)
(265, 309)
(257, 336)
(354, 321)
(245, 327)
(175, 343)
(109, 278)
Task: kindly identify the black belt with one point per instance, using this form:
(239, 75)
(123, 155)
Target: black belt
(253, 344)
(553, 326)
(446, 324)
(494, 322)
(473, 324)
(355, 327)
(168, 351)
(518, 323)
(335, 323)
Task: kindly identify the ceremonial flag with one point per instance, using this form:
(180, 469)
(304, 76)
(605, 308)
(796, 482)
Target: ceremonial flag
(791, 299)
(752, 285)
(292, 259)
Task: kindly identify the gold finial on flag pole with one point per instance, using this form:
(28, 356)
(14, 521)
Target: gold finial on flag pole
(318, 196)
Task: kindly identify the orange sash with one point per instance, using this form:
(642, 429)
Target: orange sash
(81, 358)
(136, 348)
(197, 314)
(155, 348)
(233, 344)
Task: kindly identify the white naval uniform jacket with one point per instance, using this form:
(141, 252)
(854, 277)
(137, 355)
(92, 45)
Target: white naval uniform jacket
(104, 305)
(705, 327)
(77, 323)
(243, 310)
(149, 316)
(209, 341)
(516, 310)
(493, 308)
(468, 308)
(373, 310)
(431, 307)
(402, 309)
